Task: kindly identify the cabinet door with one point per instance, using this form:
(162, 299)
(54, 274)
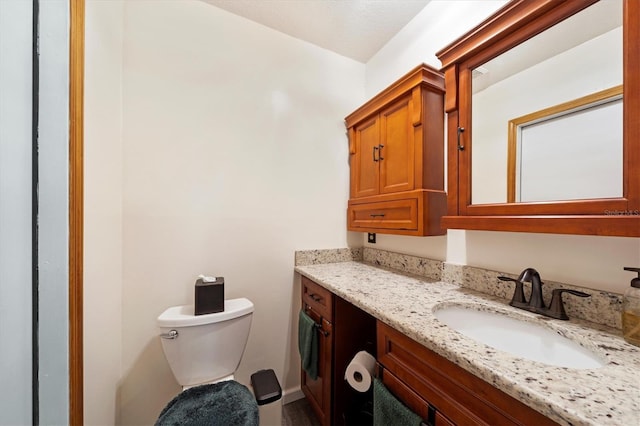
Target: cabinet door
(364, 162)
(396, 149)
(318, 392)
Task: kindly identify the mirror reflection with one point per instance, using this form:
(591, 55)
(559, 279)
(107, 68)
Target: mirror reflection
(547, 114)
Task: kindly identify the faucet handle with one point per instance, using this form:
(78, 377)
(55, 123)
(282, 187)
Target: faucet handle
(556, 308)
(518, 300)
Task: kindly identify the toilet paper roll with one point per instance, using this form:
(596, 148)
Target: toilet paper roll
(359, 372)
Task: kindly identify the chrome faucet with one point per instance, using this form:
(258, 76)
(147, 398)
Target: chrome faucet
(536, 301)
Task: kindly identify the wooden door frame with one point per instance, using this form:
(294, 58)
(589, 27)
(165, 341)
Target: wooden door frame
(76, 208)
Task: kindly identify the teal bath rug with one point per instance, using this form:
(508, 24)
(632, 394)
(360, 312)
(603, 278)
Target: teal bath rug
(219, 404)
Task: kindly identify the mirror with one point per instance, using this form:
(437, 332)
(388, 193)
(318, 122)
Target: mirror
(543, 119)
(541, 109)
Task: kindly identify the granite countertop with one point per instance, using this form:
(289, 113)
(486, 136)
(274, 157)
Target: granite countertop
(609, 395)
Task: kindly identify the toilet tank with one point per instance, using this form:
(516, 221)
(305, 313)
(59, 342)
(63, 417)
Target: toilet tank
(207, 347)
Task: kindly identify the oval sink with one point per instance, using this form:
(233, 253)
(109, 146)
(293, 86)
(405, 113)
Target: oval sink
(520, 338)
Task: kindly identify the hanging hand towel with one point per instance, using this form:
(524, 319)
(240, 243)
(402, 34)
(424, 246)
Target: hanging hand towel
(308, 344)
(387, 410)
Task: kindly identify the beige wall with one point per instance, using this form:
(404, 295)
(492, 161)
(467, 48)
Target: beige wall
(103, 210)
(232, 155)
(594, 262)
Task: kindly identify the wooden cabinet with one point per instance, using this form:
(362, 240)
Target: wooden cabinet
(383, 161)
(440, 391)
(317, 302)
(396, 147)
(344, 331)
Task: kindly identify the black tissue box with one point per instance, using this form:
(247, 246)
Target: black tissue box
(209, 296)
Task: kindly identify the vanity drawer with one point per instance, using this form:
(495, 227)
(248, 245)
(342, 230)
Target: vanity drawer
(408, 397)
(459, 395)
(317, 298)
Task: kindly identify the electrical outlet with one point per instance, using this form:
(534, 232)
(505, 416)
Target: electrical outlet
(371, 238)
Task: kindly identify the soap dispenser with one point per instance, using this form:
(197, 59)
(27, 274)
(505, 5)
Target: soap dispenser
(631, 310)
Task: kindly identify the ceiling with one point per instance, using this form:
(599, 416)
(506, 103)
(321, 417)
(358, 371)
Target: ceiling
(353, 28)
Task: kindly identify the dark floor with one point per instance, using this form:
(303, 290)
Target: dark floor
(298, 413)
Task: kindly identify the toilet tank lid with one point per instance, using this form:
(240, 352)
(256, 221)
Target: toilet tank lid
(182, 316)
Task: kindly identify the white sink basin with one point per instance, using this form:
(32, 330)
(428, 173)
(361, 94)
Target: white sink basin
(520, 338)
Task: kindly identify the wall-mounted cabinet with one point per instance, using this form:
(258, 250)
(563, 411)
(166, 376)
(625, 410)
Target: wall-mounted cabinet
(396, 147)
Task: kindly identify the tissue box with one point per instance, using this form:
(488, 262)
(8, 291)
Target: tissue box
(209, 297)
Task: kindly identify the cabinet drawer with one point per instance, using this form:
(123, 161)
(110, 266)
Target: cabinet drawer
(318, 298)
(396, 214)
(459, 395)
(405, 213)
(412, 400)
(401, 391)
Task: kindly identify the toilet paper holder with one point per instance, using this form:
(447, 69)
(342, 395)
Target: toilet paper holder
(360, 371)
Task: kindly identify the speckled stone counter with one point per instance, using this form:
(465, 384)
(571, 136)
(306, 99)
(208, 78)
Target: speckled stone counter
(609, 395)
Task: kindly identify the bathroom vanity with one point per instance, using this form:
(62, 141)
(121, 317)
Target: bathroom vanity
(448, 378)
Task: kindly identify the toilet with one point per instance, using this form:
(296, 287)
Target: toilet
(204, 352)
(204, 349)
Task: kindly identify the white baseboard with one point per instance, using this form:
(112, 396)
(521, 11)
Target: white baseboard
(291, 395)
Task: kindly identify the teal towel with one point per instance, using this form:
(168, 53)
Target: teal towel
(387, 410)
(308, 344)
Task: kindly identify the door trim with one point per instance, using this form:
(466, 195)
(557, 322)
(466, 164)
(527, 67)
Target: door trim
(76, 208)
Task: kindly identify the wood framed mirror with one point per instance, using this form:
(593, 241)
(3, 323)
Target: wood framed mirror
(531, 56)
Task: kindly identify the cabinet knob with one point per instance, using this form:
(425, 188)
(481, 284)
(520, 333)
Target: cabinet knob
(375, 150)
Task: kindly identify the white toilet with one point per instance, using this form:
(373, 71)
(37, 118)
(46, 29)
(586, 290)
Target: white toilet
(207, 348)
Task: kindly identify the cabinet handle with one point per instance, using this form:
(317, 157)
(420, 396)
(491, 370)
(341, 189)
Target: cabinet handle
(460, 131)
(319, 327)
(377, 215)
(315, 297)
(380, 152)
(375, 149)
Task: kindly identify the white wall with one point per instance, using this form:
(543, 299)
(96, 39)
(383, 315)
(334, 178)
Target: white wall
(233, 156)
(15, 211)
(53, 213)
(103, 210)
(439, 23)
(590, 261)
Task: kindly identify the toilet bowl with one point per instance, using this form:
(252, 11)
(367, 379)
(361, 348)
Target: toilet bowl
(203, 349)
